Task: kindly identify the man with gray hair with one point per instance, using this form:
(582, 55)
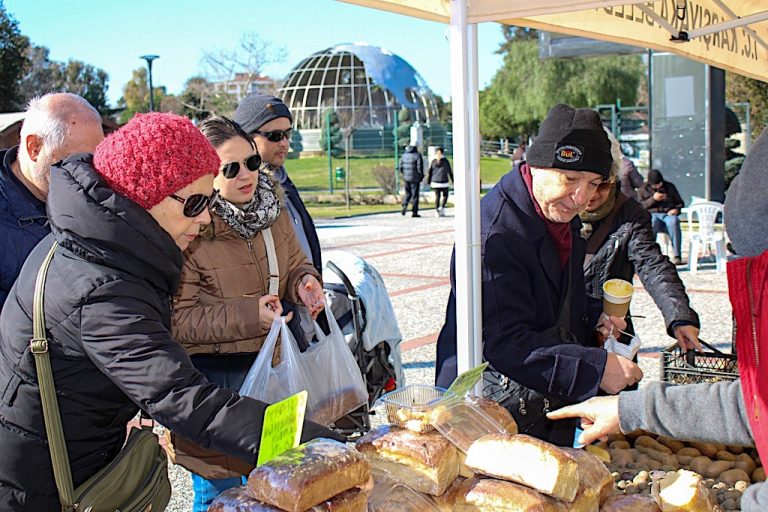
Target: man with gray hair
(55, 126)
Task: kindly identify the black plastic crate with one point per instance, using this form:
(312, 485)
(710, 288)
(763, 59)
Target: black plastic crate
(693, 367)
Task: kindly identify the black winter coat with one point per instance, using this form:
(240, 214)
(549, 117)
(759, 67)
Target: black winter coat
(631, 248)
(412, 165)
(673, 200)
(107, 304)
(524, 288)
(440, 171)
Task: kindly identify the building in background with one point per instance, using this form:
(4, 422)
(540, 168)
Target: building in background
(244, 84)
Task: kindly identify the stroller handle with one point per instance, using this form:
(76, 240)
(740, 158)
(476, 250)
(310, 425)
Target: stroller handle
(344, 279)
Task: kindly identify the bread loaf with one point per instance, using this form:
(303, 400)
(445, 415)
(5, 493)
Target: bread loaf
(495, 411)
(425, 462)
(331, 409)
(528, 461)
(308, 475)
(238, 500)
(595, 481)
(684, 491)
(491, 495)
(630, 503)
(446, 501)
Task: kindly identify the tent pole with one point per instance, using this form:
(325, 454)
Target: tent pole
(467, 224)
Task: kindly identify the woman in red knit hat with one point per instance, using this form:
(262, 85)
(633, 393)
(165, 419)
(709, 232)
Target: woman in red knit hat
(121, 219)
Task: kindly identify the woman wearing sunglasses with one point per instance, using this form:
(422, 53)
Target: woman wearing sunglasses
(620, 243)
(122, 218)
(230, 292)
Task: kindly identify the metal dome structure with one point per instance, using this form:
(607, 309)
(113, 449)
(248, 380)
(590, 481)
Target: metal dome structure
(366, 85)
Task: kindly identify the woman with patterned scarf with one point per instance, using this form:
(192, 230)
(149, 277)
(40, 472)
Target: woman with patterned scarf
(230, 292)
(620, 243)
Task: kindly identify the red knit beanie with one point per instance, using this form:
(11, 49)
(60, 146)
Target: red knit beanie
(153, 156)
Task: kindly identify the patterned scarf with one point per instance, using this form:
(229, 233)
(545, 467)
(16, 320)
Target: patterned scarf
(256, 215)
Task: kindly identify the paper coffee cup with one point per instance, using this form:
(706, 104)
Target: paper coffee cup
(616, 296)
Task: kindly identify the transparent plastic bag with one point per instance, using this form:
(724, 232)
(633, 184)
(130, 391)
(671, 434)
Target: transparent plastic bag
(290, 376)
(337, 387)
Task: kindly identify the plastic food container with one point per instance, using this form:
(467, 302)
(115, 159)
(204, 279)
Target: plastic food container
(411, 406)
(462, 423)
(389, 495)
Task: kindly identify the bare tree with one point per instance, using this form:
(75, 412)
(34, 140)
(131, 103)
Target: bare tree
(350, 119)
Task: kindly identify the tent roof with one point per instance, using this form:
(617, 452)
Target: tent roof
(9, 119)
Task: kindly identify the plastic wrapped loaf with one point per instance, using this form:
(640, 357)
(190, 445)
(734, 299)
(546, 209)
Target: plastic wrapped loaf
(630, 503)
(308, 475)
(238, 500)
(528, 461)
(491, 495)
(595, 481)
(425, 462)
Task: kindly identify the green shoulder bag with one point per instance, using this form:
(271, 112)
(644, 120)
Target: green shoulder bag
(135, 481)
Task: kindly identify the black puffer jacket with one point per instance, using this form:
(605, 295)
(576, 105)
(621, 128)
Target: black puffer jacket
(412, 165)
(631, 248)
(107, 304)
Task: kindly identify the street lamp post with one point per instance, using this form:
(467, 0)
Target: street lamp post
(149, 59)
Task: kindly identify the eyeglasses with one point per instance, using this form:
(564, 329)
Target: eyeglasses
(275, 135)
(231, 169)
(195, 204)
(605, 185)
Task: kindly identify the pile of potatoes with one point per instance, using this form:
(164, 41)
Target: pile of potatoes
(727, 470)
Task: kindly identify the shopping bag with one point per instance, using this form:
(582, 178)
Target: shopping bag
(291, 375)
(337, 386)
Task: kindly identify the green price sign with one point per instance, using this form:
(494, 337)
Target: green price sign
(466, 381)
(283, 422)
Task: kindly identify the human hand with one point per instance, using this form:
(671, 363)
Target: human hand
(311, 295)
(269, 309)
(688, 338)
(610, 325)
(599, 417)
(659, 196)
(619, 373)
(673, 211)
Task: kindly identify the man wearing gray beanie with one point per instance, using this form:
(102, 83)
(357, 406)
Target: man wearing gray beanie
(267, 119)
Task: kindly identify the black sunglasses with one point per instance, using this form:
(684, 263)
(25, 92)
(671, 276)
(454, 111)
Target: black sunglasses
(231, 169)
(275, 135)
(195, 204)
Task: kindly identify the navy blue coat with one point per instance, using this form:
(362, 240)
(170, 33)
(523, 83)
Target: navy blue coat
(524, 287)
(23, 223)
(306, 220)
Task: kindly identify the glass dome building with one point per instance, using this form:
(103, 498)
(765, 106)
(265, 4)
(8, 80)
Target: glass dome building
(364, 83)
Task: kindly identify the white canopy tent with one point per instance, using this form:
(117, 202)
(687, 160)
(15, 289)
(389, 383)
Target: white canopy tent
(729, 34)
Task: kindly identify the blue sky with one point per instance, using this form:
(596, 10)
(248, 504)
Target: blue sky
(113, 34)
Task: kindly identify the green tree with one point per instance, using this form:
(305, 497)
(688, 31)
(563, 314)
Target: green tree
(403, 128)
(136, 95)
(200, 99)
(739, 89)
(336, 138)
(524, 89)
(13, 61)
(43, 75)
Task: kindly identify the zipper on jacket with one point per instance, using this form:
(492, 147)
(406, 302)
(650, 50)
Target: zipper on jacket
(249, 241)
(753, 315)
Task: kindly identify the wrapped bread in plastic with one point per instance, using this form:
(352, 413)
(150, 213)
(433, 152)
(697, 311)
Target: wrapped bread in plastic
(491, 495)
(446, 501)
(308, 475)
(630, 503)
(528, 461)
(425, 462)
(595, 481)
(238, 500)
(683, 491)
(495, 411)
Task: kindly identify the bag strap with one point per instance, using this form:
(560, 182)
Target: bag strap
(39, 347)
(274, 268)
(598, 237)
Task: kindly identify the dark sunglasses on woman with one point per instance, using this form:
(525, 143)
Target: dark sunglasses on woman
(195, 204)
(231, 169)
(275, 135)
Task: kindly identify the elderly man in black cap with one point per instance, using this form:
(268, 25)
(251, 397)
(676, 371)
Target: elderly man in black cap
(537, 329)
(662, 199)
(267, 119)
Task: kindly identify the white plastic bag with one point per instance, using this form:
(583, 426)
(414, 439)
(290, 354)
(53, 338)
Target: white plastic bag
(290, 376)
(337, 386)
(628, 351)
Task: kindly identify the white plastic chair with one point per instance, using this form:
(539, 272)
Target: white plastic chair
(707, 237)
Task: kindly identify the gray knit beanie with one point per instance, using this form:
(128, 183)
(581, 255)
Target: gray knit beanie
(256, 110)
(746, 207)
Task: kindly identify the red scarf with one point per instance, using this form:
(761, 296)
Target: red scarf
(748, 290)
(560, 232)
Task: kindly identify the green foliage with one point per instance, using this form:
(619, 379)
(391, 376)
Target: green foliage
(136, 95)
(403, 128)
(13, 62)
(201, 99)
(335, 139)
(739, 89)
(444, 111)
(525, 88)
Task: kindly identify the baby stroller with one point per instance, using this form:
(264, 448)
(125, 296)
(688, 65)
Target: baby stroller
(361, 306)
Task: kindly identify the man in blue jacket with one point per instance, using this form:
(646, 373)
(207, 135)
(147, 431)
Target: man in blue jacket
(537, 327)
(55, 126)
